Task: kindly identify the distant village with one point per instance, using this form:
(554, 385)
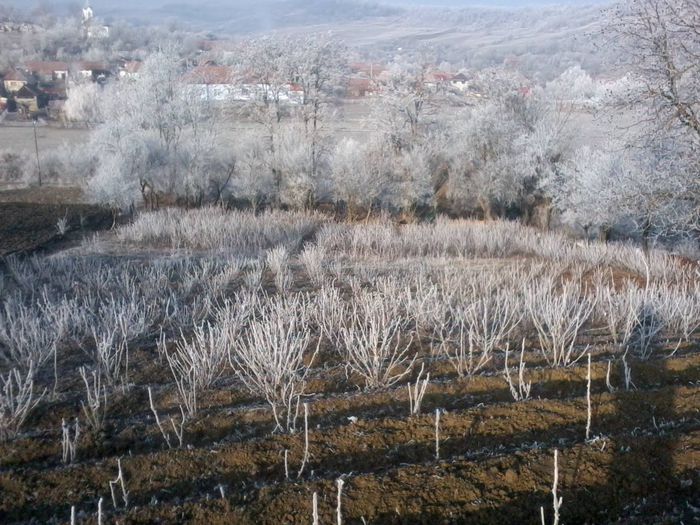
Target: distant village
(40, 88)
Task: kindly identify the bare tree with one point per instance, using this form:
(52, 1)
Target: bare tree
(316, 65)
(17, 399)
(356, 175)
(660, 44)
(157, 138)
(272, 357)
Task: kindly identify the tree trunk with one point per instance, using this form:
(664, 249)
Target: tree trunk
(486, 208)
(646, 233)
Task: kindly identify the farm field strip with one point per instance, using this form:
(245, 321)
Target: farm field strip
(322, 290)
(484, 430)
(227, 420)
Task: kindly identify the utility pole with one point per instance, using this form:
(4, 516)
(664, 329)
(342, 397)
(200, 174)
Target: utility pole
(36, 149)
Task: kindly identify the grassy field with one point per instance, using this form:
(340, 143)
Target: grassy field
(21, 138)
(238, 326)
(348, 120)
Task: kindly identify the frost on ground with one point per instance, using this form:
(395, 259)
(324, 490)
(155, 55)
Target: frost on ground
(236, 367)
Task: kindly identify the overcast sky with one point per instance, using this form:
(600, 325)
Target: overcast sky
(246, 16)
(493, 3)
(110, 4)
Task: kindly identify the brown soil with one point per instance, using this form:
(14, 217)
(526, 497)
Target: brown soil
(28, 219)
(495, 461)
(495, 464)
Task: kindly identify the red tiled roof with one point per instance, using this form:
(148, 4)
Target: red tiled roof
(359, 83)
(46, 68)
(209, 75)
(85, 65)
(132, 66)
(440, 76)
(15, 75)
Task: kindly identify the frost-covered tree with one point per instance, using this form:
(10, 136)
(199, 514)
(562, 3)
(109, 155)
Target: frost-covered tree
(404, 102)
(575, 86)
(84, 102)
(292, 160)
(587, 188)
(292, 80)
(658, 43)
(599, 189)
(253, 180)
(157, 137)
(504, 151)
(316, 64)
(409, 180)
(357, 174)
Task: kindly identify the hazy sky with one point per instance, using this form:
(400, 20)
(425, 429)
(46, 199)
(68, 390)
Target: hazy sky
(111, 4)
(493, 3)
(245, 16)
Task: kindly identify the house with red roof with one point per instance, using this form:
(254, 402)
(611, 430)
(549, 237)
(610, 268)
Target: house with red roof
(95, 71)
(358, 87)
(27, 100)
(130, 69)
(47, 71)
(460, 82)
(14, 80)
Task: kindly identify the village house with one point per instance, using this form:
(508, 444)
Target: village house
(53, 91)
(48, 71)
(95, 71)
(27, 100)
(364, 79)
(437, 81)
(14, 81)
(17, 27)
(130, 69)
(211, 82)
(221, 83)
(358, 87)
(367, 69)
(460, 82)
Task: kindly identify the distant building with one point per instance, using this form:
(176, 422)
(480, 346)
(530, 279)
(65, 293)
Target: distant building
(48, 71)
(88, 14)
(130, 69)
(220, 83)
(368, 69)
(360, 87)
(87, 70)
(14, 81)
(364, 78)
(17, 27)
(98, 32)
(27, 100)
(438, 80)
(90, 26)
(211, 82)
(460, 82)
